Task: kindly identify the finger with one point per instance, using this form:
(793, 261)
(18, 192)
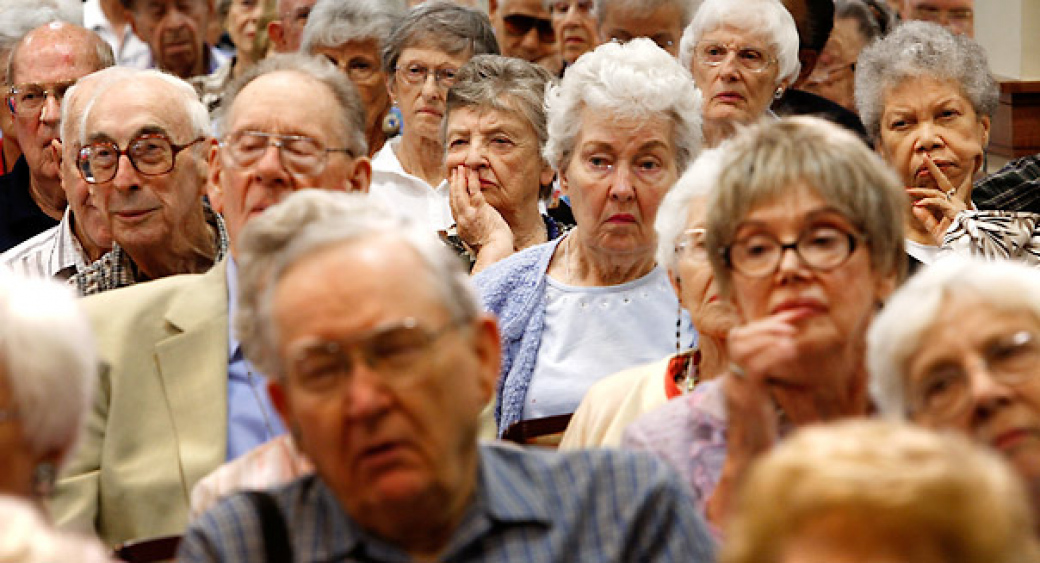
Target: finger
(918, 193)
(927, 220)
(940, 179)
(473, 184)
(937, 205)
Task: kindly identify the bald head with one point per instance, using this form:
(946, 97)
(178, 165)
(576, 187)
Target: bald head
(69, 43)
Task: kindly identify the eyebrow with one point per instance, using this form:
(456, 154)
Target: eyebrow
(99, 136)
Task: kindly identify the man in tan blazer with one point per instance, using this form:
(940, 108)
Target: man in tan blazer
(160, 420)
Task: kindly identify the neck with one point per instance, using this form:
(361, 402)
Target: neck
(48, 195)
(114, 13)
(714, 359)
(839, 388)
(917, 232)
(93, 250)
(583, 265)
(192, 253)
(422, 157)
(11, 153)
(716, 131)
(528, 229)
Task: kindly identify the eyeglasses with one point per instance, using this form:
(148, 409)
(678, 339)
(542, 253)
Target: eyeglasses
(931, 14)
(358, 69)
(944, 392)
(390, 351)
(416, 73)
(690, 245)
(151, 154)
(300, 155)
(583, 7)
(518, 25)
(820, 248)
(30, 98)
(749, 58)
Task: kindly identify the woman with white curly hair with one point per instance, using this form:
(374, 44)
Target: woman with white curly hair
(623, 123)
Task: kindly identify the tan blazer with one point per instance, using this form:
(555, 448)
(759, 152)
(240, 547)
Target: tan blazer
(159, 419)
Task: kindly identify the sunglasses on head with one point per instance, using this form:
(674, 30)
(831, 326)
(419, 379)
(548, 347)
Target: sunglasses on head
(519, 24)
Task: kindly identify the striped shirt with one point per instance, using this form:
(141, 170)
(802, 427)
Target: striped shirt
(529, 505)
(54, 253)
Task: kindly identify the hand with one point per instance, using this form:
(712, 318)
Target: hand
(935, 208)
(479, 224)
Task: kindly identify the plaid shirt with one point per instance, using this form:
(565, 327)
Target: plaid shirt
(1015, 187)
(116, 269)
(529, 505)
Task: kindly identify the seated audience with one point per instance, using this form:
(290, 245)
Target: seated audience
(352, 35)
(927, 97)
(240, 22)
(958, 348)
(742, 56)
(179, 398)
(956, 15)
(661, 21)
(108, 19)
(175, 33)
(399, 472)
(805, 238)
(622, 125)
(575, 27)
(855, 27)
(423, 53)
(611, 404)
(153, 201)
(871, 491)
(524, 30)
(494, 132)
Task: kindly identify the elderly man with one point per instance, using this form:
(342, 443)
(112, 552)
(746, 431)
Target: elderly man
(662, 21)
(957, 15)
(286, 30)
(42, 66)
(175, 33)
(152, 199)
(524, 30)
(82, 236)
(178, 398)
(393, 437)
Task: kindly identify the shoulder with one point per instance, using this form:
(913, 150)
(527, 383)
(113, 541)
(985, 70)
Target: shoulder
(681, 420)
(524, 268)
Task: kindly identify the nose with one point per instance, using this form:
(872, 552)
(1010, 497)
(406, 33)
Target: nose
(269, 170)
(622, 188)
(929, 137)
(476, 156)
(51, 111)
(530, 40)
(126, 177)
(431, 89)
(729, 67)
(986, 393)
(367, 396)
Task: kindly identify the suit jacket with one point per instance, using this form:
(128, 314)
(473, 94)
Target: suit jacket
(159, 418)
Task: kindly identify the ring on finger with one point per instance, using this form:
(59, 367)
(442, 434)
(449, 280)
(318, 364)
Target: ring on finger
(737, 370)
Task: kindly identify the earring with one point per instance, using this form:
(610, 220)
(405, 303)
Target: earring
(779, 93)
(43, 478)
(392, 121)
(678, 316)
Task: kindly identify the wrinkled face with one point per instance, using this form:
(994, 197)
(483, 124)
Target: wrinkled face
(662, 25)
(502, 147)
(383, 438)
(698, 292)
(283, 103)
(241, 24)
(46, 61)
(834, 77)
(1004, 416)
(575, 28)
(291, 22)
(834, 537)
(175, 32)
(422, 103)
(361, 62)
(836, 306)
(927, 116)
(145, 211)
(524, 30)
(956, 15)
(733, 92)
(616, 177)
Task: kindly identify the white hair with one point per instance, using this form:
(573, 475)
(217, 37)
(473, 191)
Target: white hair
(696, 183)
(48, 359)
(768, 19)
(635, 80)
(27, 537)
(333, 23)
(900, 330)
(88, 85)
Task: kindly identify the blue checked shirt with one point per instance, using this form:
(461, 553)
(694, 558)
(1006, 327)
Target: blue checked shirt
(529, 506)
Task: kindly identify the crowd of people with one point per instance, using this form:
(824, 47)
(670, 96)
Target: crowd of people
(512, 280)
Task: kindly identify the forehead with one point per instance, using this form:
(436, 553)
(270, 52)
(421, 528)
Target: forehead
(622, 16)
(193, 5)
(362, 47)
(731, 34)
(432, 57)
(122, 108)
(53, 55)
(941, 4)
(286, 102)
(921, 91)
(525, 7)
(487, 119)
(623, 133)
(285, 6)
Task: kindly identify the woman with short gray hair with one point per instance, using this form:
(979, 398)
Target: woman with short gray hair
(494, 131)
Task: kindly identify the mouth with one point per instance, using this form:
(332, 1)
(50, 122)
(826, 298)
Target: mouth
(133, 215)
(944, 166)
(622, 219)
(430, 111)
(1011, 439)
(728, 97)
(382, 455)
(806, 306)
(485, 184)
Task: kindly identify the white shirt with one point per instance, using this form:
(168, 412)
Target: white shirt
(924, 253)
(410, 195)
(45, 255)
(129, 49)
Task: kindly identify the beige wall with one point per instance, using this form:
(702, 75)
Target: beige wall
(1010, 32)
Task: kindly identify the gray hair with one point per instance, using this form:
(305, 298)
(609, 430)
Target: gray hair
(919, 49)
(686, 7)
(444, 26)
(309, 221)
(48, 359)
(70, 127)
(768, 19)
(333, 23)
(867, 23)
(637, 79)
(672, 216)
(900, 329)
(769, 160)
(350, 129)
(100, 49)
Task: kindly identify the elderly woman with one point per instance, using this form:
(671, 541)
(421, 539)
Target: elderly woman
(959, 347)
(742, 56)
(622, 125)
(494, 131)
(611, 404)
(926, 97)
(805, 238)
(351, 35)
(855, 27)
(423, 54)
(575, 27)
(880, 491)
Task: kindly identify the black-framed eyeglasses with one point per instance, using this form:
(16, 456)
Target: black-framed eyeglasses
(415, 73)
(518, 25)
(712, 53)
(391, 352)
(31, 98)
(690, 245)
(300, 155)
(821, 248)
(944, 391)
(151, 154)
